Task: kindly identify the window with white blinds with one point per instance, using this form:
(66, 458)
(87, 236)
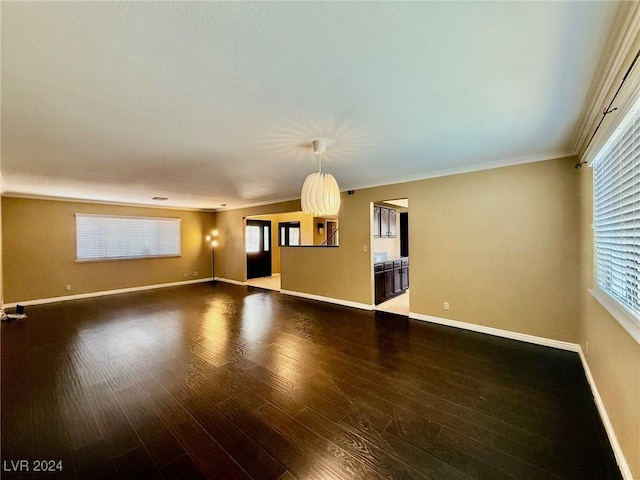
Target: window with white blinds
(106, 237)
(616, 172)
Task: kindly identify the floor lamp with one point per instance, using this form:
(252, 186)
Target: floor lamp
(212, 239)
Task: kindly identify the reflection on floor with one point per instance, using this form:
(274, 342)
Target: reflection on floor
(268, 283)
(398, 305)
(229, 382)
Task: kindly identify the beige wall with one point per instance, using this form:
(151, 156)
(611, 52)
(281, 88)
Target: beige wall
(39, 251)
(613, 355)
(499, 245)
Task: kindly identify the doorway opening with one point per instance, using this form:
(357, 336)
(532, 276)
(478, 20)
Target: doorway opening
(258, 248)
(290, 229)
(390, 254)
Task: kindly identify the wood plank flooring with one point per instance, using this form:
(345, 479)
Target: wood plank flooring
(227, 382)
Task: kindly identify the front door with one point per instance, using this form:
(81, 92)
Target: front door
(258, 246)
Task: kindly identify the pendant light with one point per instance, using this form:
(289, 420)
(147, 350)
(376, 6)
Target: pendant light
(320, 193)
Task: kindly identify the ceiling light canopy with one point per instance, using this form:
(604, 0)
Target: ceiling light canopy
(320, 193)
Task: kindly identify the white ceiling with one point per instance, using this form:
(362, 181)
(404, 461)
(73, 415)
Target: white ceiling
(218, 102)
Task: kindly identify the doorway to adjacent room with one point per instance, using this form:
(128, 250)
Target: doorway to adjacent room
(390, 255)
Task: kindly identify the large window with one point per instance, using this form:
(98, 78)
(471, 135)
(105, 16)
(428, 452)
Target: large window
(106, 237)
(617, 218)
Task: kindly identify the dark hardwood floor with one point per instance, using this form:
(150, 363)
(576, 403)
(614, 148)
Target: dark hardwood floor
(228, 382)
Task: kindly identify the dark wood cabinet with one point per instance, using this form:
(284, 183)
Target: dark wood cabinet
(397, 277)
(378, 275)
(404, 274)
(391, 231)
(376, 221)
(384, 222)
(390, 279)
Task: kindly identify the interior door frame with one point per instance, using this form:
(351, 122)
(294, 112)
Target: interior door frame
(267, 255)
(372, 222)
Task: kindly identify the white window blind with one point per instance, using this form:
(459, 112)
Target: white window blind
(105, 237)
(616, 171)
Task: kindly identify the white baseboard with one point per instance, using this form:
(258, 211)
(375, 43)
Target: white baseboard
(523, 337)
(104, 292)
(338, 301)
(617, 450)
(573, 347)
(228, 280)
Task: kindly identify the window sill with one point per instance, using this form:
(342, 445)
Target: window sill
(624, 318)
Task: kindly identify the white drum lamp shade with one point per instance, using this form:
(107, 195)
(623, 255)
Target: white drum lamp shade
(320, 193)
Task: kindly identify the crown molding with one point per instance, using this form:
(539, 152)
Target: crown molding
(506, 162)
(259, 204)
(625, 31)
(102, 202)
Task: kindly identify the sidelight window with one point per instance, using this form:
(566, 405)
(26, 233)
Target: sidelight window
(289, 234)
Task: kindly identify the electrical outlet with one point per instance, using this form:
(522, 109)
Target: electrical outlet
(195, 273)
(68, 287)
(446, 305)
(185, 275)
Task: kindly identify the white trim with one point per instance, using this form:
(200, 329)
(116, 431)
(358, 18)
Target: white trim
(104, 293)
(573, 347)
(260, 204)
(622, 463)
(479, 167)
(618, 312)
(338, 301)
(608, 129)
(523, 337)
(35, 196)
(506, 162)
(624, 33)
(617, 450)
(228, 280)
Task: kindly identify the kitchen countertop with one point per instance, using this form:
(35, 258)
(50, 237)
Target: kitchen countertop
(388, 259)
